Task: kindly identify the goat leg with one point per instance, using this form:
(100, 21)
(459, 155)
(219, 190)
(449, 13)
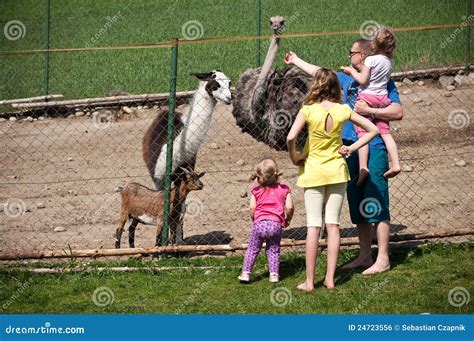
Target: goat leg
(131, 233)
(118, 233)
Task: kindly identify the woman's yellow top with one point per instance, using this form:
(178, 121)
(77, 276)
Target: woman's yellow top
(324, 165)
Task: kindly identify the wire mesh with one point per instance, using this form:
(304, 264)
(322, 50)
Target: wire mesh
(64, 168)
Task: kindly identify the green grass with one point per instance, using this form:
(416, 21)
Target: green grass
(88, 74)
(419, 282)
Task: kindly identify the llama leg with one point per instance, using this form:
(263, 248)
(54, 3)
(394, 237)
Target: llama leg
(159, 227)
(118, 233)
(131, 233)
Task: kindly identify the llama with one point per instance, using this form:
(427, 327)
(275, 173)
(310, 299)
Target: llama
(144, 205)
(267, 100)
(190, 129)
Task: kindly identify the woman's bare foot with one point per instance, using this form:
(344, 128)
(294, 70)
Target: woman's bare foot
(329, 284)
(363, 173)
(377, 268)
(360, 262)
(305, 287)
(392, 172)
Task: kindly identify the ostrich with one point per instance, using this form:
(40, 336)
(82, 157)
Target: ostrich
(267, 100)
(190, 129)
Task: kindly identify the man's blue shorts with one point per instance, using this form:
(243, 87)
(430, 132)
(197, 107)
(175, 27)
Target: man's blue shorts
(369, 203)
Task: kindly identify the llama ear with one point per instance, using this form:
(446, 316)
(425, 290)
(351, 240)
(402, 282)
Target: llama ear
(201, 174)
(202, 76)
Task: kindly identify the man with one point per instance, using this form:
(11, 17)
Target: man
(369, 203)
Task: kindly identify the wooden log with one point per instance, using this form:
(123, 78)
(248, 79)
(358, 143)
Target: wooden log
(428, 73)
(100, 100)
(212, 248)
(118, 269)
(31, 99)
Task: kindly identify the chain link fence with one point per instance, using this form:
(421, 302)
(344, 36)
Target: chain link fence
(67, 165)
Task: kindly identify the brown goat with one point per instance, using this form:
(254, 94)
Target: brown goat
(146, 206)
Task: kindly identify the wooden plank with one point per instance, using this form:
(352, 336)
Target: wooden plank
(102, 100)
(211, 248)
(31, 99)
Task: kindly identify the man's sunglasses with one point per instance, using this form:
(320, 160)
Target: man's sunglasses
(352, 53)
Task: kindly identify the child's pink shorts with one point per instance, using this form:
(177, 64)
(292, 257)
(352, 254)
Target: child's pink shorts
(375, 101)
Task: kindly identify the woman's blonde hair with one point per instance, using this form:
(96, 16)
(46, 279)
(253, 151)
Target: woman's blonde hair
(267, 173)
(325, 86)
(384, 42)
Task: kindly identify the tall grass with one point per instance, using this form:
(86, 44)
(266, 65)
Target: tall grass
(86, 74)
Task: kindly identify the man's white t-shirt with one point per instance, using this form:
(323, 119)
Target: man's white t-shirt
(380, 69)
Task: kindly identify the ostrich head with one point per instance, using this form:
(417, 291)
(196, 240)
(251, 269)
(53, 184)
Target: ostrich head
(217, 85)
(277, 24)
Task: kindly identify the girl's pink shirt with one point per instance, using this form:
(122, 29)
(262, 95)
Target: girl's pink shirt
(270, 202)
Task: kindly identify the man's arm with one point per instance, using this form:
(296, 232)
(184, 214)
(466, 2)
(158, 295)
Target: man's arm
(394, 112)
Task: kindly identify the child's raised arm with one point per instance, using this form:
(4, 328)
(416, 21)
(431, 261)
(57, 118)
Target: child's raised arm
(292, 58)
(362, 77)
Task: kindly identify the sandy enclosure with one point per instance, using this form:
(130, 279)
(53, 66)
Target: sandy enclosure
(65, 171)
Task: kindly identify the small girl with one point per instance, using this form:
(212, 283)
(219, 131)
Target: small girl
(271, 209)
(373, 77)
(323, 170)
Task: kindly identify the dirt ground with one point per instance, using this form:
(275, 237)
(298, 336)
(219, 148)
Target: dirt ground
(65, 170)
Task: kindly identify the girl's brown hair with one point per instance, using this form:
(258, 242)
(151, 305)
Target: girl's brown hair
(384, 42)
(267, 173)
(325, 86)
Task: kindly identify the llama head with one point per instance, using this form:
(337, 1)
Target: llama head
(217, 85)
(277, 24)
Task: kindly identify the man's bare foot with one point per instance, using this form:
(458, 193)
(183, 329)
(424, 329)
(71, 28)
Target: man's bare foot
(363, 173)
(392, 172)
(305, 287)
(360, 262)
(376, 268)
(329, 284)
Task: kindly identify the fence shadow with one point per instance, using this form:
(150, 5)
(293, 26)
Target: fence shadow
(210, 238)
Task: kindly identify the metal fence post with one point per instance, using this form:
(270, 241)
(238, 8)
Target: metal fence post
(468, 36)
(46, 56)
(169, 145)
(259, 25)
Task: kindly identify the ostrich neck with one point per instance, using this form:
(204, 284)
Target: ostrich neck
(262, 77)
